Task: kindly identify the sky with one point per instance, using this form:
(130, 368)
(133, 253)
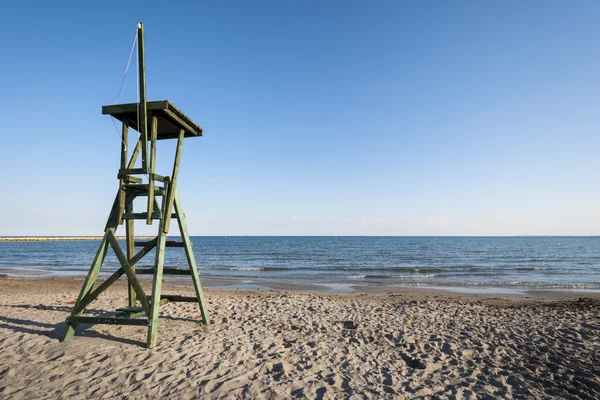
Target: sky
(320, 117)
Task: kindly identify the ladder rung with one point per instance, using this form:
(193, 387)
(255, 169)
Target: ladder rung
(142, 189)
(140, 215)
(179, 299)
(132, 171)
(130, 309)
(166, 271)
(168, 243)
(107, 320)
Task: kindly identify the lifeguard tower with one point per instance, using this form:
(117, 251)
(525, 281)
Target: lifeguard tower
(165, 122)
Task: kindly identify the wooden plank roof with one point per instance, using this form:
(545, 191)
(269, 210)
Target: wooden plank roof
(170, 119)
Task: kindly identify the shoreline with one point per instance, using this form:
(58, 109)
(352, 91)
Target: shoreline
(346, 289)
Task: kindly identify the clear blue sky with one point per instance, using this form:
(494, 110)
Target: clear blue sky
(320, 118)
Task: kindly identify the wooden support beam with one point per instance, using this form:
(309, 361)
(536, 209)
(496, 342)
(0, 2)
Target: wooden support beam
(168, 243)
(124, 141)
(156, 287)
(142, 85)
(179, 299)
(147, 249)
(142, 189)
(113, 217)
(189, 253)
(131, 171)
(139, 291)
(167, 186)
(180, 121)
(80, 306)
(173, 182)
(151, 199)
(143, 215)
(88, 284)
(166, 271)
(130, 249)
(106, 320)
(132, 179)
(134, 155)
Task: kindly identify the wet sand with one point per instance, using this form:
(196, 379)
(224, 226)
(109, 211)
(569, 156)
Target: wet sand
(395, 344)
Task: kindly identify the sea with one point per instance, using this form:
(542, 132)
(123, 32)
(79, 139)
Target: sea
(496, 262)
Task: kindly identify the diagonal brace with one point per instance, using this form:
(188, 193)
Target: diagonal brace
(83, 303)
(129, 271)
(147, 249)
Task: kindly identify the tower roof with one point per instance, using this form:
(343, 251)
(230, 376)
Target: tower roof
(170, 119)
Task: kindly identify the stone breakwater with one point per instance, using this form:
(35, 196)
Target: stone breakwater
(62, 238)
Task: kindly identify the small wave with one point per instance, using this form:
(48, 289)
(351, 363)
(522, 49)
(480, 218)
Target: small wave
(342, 277)
(402, 276)
(245, 269)
(418, 270)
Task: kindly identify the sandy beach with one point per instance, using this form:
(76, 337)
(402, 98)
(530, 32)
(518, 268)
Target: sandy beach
(281, 344)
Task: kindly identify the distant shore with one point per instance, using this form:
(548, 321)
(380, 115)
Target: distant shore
(60, 238)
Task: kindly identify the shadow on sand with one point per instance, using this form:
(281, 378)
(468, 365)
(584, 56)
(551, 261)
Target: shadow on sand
(55, 331)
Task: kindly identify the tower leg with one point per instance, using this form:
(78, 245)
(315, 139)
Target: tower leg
(156, 288)
(88, 284)
(130, 245)
(190, 258)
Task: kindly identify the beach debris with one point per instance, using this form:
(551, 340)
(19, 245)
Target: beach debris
(349, 325)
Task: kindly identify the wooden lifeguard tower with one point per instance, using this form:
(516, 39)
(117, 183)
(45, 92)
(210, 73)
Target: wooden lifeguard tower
(165, 122)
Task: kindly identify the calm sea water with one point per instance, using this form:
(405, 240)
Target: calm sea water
(519, 262)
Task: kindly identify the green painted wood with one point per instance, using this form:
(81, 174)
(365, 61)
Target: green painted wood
(156, 288)
(124, 141)
(87, 285)
(168, 127)
(80, 306)
(128, 271)
(167, 185)
(134, 155)
(142, 189)
(168, 243)
(186, 127)
(113, 216)
(107, 320)
(117, 109)
(143, 215)
(180, 299)
(131, 171)
(166, 271)
(151, 186)
(143, 128)
(173, 182)
(130, 248)
(132, 179)
(166, 122)
(189, 253)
